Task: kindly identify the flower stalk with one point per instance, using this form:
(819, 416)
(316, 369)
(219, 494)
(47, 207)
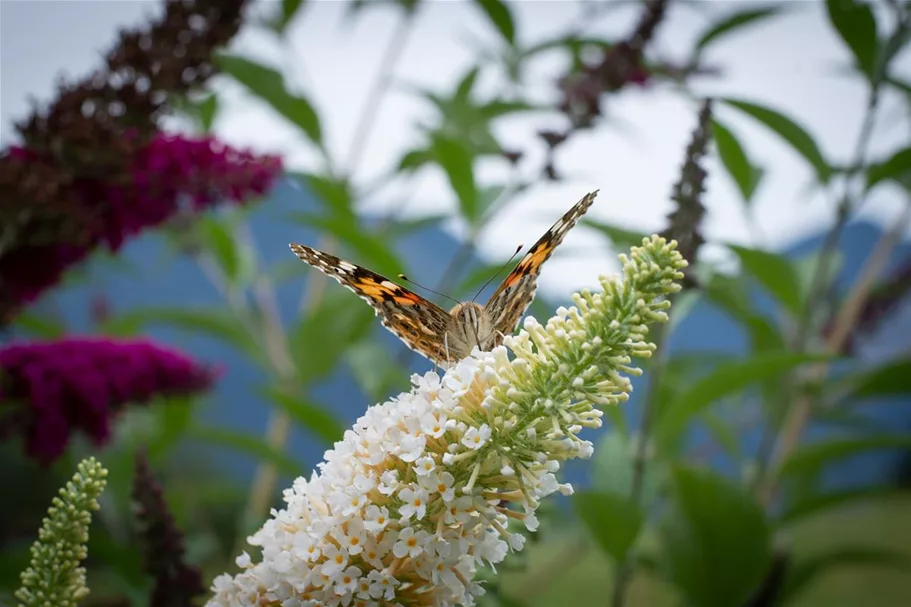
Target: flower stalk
(437, 482)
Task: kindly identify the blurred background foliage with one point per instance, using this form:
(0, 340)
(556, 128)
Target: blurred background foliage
(764, 457)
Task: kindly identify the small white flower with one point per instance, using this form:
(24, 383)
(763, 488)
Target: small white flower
(336, 560)
(410, 543)
(424, 466)
(475, 438)
(389, 482)
(414, 503)
(382, 585)
(347, 580)
(376, 518)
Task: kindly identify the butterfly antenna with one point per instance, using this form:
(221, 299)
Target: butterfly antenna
(406, 279)
(500, 271)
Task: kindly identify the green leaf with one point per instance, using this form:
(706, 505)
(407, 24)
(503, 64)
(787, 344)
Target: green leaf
(40, 325)
(218, 240)
(614, 521)
(775, 273)
(250, 445)
(218, 324)
(731, 296)
(500, 17)
(811, 458)
(404, 227)
(897, 168)
(717, 543)
(269, 85)
(323, 335)
(621, 238)
(457, 161)
(733, 22)
(735, 161)
(856, 25)
(289, 9)
(463, 89)
(889, 379)
(790, 131)
(726, 379)
(414, 160)
(812, 505)
(808, 568)
(497, 108)
(316, 419)
(364, 243)
(333, 192)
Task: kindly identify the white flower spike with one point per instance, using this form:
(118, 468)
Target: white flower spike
(414, 498)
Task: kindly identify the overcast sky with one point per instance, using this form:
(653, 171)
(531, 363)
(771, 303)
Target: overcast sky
(790, 62)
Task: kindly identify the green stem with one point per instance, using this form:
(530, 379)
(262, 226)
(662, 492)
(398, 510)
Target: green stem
(623, 571)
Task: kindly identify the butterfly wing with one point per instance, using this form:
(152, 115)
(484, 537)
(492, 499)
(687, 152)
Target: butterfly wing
(419, 323)
(516, 293)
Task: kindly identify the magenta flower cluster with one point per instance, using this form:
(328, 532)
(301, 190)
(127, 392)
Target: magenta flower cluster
(50, 389)
(171, 173)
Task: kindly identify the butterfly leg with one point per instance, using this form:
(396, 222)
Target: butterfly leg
(446, 347)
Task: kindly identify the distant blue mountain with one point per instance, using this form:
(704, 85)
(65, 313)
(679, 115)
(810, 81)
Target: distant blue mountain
(174, 281)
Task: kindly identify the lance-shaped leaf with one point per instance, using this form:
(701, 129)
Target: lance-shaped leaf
(717, 542)
(725, 380)
(746, 175)
(269, 85)
(892, 379)
(248, 444)
(775, 273)
(314, 418)
(812, 505)
(791, 132)
(856, 24)
(457, 161)
(896, 168)
(501, 18)
(613, 521)
(809, 568)
(734, 22)
(808, 459)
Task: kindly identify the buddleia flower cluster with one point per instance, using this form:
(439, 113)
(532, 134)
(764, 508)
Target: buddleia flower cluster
(54, 576)
(422, 491)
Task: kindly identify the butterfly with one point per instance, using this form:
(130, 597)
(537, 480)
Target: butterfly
(441, 336)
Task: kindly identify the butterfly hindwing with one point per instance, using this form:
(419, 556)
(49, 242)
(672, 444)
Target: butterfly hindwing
(515, 294)
(421, 324)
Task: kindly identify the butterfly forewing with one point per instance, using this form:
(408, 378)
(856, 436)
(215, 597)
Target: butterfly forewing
(419, 323)
(515, 294)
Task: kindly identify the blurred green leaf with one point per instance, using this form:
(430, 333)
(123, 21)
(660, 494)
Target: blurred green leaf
(733, 22)
(890, 379)
(621, 238)
(775, 273)
(250, 445)
(856, 25)
(234, 257)
(216, 323)
(614, 521)
(735, 161)
(897, 168)
(289, 9)
(39, 325)
(790, 131)
(316, 419)
(333, 192)
(725, 380)
(414, 160)
(498, 13)
(810, 458)
(731, 296)
(464, 87)
(326, 332)
(717, 542)
(815, 504)
(269, 85)
(457, 161)
(724, 434)
(366, 245)
(808, 568)
(498, 108)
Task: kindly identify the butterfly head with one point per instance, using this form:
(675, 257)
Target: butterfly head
(471, 326)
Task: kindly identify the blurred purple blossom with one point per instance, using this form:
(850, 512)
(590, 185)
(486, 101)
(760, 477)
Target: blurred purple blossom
(50, 389)
(170, 174)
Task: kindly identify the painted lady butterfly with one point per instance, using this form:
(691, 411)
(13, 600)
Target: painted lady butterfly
(444, 337)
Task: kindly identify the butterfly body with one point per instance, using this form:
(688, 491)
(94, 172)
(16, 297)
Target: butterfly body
(441, 336)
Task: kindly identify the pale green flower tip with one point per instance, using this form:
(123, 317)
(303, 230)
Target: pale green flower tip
(54, 577)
